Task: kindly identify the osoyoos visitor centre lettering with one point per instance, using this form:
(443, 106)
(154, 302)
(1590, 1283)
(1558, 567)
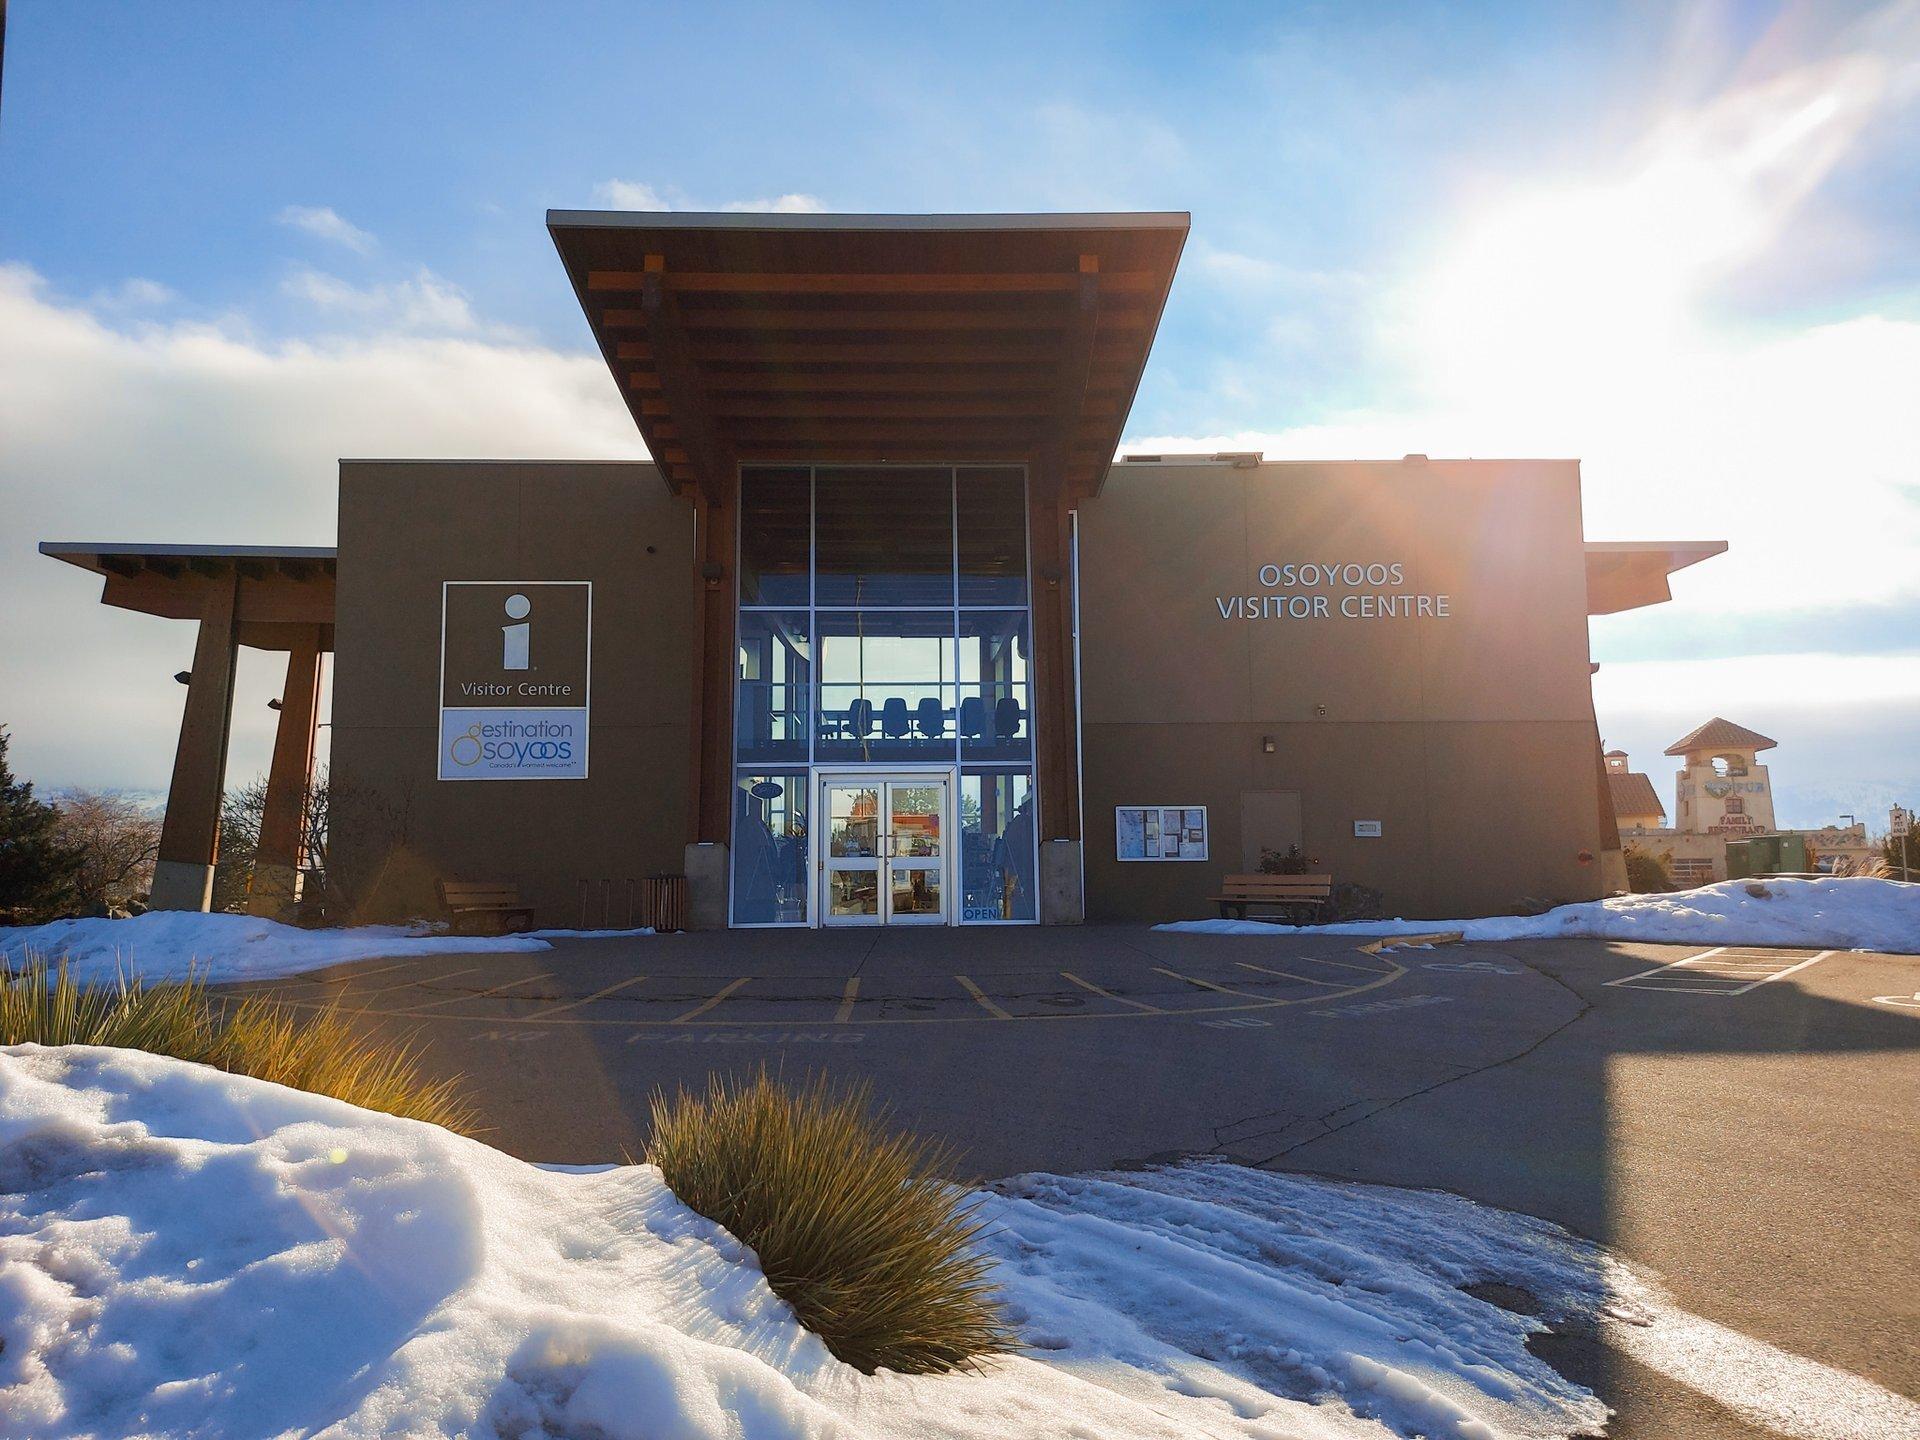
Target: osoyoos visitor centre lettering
(1314, 590)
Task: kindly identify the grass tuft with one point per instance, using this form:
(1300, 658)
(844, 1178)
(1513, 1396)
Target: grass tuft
(855, 1226)
(320, 1053)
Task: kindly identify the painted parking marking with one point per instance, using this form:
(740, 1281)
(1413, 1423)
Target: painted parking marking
(712, 1000)
(1102, 990)
(494, 993)
(1723, 970)
(1899, 1002)
(980, 995)
(1289, 975)
(1346, 964)
(983, 1010)
(847, 997)
(613, 989)
(1209, 985)
(423, 982)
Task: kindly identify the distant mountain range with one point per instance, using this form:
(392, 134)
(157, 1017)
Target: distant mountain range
(1807, 807)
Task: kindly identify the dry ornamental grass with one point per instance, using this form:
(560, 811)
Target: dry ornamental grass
(320, 1053)
(855, 1227)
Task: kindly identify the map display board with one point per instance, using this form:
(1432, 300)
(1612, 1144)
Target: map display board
(1160, 832)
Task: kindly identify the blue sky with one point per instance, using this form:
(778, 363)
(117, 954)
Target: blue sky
(1677, 241)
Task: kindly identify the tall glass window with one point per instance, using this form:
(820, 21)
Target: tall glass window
(884, 620)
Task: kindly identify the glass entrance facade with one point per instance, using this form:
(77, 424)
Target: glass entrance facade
(883, 621)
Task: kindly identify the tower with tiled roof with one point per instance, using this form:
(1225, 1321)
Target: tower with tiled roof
(1722, 788)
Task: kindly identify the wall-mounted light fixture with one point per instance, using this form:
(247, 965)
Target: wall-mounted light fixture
(185, 677)
(1321, 711)
(1268, 745)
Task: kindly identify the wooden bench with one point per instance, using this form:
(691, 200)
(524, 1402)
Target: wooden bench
(1294, 895)
(496, 904)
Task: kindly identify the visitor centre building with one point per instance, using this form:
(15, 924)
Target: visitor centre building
(885, 634)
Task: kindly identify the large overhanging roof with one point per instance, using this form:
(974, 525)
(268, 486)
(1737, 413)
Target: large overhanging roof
(280, 592)
(1626, 574)
(874, 338)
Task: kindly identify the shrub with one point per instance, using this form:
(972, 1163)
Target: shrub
(1290, 861)
(1648, 873)
(37, 867)
(855, 1226)
(1353, 901)
(257, 1037)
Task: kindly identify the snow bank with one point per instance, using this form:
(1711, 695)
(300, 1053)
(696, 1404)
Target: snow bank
(188, 1252)
(167, 944)
(1831, 913)
(184, 1251)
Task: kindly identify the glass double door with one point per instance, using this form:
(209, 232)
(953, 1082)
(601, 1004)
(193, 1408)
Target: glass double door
(886, 850)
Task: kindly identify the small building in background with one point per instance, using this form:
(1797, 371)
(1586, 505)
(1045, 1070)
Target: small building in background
(1722, 789)
(1636, 806)
(1722, 793)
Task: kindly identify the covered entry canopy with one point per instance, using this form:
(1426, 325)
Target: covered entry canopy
(874, 338)
(267, 598)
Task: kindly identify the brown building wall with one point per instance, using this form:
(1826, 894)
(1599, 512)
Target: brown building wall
(1470, 737)
(406, 527)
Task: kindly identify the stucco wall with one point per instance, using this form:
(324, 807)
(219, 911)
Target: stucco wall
(406, 527)
(1469, 737)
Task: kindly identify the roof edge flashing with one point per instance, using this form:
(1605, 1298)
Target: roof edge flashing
(820, 220)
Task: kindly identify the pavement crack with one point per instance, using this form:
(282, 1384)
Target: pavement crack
(1585, 1008)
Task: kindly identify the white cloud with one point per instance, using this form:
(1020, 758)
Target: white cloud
(794, 204)
(637, 195)
(136, 293)
(325, 223)
(182, 432)
(629, 195)
(426, 303)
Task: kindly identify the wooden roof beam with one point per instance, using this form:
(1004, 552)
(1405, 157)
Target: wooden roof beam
(1070, 404)
(972, 282)
(874, 382)
(679, 381)
(917, 321)
(1043, 352)
(932, 408)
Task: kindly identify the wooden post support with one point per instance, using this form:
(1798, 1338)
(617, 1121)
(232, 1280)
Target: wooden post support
(190, 833)
(276, 863)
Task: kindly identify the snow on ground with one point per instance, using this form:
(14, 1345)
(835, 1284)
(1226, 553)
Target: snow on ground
(1830, 913)
(167, 944)
(188, 1252)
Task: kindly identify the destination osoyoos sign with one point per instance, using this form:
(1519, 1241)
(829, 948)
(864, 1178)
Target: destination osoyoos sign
(515, 678)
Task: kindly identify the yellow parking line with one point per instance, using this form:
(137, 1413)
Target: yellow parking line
(985, 1004)
(422, 981)
(712, 1001)
(476, 995)
(846, 1000)
(1343, 964)
(587, 999)
(1098, 990)
(1208, 984)
(1289, 975)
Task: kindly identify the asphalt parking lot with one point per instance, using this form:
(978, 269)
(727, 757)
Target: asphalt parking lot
(1738, 1121)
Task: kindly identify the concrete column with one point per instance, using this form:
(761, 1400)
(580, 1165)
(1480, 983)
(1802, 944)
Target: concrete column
(1062, 901)
(706, 869)
(276, 864)
(190, 833)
